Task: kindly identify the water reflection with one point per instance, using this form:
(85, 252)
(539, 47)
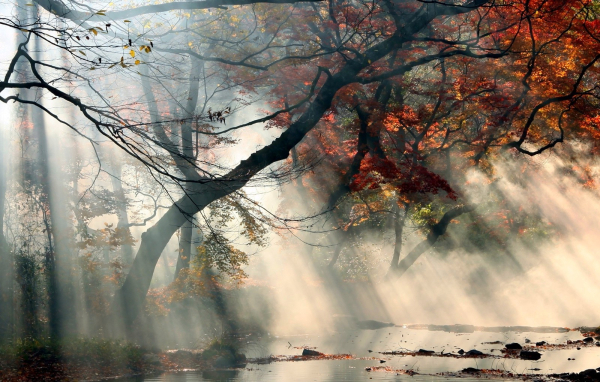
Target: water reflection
(220, 375)
(367, 345)
(317, 371)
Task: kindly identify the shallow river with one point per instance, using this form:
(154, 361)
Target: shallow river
(360, 342)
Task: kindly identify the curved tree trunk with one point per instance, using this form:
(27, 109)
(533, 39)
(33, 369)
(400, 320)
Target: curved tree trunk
(436, 231)
(129, 299)
(336, 254)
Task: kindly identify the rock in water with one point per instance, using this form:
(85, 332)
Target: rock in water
(530, 355)
(473, 352)
(311, 353)
(423, 351)
(373, 325)
(514, 346)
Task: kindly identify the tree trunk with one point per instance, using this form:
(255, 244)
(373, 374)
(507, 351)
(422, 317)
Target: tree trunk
(123, 218)
(185, 248)
(436, 231)
(57, 263)
(184, 159)
(399, 222)
(6, 256)
(338, 250)
(129, 299)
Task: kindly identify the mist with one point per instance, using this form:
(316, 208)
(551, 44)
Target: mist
(203, 186)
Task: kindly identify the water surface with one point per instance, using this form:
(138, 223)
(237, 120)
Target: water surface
(367, 345)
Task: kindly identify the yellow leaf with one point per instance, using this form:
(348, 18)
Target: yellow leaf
(82, 52)
(148, 50)
(101, 13)
(132, 53)
(137, 62)
(126, 21)
(142, 47)
(94, 31)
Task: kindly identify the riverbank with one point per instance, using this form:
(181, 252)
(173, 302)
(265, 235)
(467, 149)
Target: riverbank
(98, 359)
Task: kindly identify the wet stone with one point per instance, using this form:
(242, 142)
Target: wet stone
(423, 351)
(530, 355)
(311, 353)
(514, 346)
